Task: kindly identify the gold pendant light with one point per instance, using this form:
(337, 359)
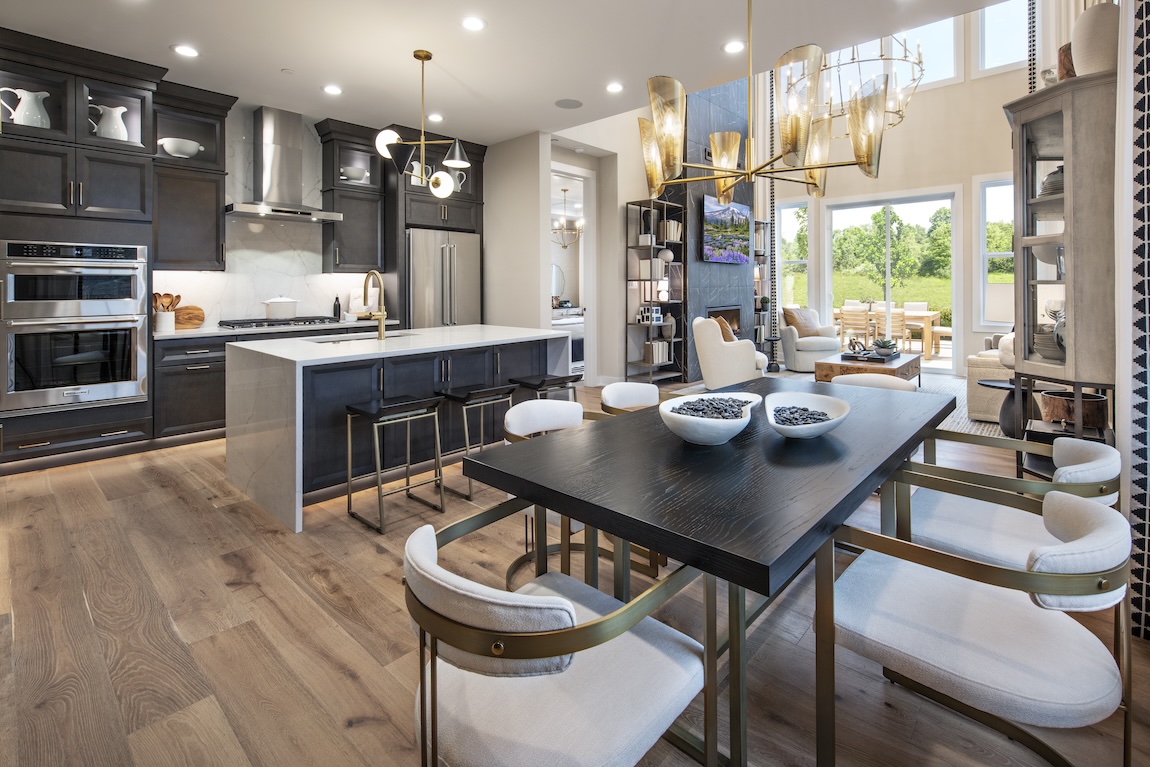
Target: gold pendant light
(565, 232)
(806, 84)
(400, 152)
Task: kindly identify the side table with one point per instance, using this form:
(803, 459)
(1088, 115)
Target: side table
(1008, 419)
(769, 348)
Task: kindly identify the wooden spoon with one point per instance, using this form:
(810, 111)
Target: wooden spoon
(166, 301)
(155, 302)
(175, 302)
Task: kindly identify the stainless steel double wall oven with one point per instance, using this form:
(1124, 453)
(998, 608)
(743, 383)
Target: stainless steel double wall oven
(75, 325)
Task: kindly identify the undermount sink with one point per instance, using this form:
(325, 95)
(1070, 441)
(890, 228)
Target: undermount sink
(361, 337)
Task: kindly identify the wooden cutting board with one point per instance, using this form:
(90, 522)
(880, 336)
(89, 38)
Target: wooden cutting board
(189, 317)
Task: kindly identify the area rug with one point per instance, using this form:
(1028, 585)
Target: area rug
(937, 383)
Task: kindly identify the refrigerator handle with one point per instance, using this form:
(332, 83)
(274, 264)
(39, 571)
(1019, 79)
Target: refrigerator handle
(444, 285)
(454, 287)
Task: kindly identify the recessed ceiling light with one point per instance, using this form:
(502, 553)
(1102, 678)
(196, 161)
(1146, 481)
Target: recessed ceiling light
(435, 117)
(333, 90)
(185, 50)
(474, 23)
(614, 87)
(735, 46)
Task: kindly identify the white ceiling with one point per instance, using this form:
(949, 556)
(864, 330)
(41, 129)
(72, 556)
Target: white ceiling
(491, 85)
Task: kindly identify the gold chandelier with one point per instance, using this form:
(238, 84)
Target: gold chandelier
(565, 232)
(400, 152)
(809, 98)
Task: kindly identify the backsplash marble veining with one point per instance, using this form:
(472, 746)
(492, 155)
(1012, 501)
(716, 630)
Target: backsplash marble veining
(265, 259)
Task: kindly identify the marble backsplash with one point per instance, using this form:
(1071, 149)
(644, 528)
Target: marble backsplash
(265, 259)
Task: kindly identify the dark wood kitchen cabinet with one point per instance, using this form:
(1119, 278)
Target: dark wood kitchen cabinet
(434, 213)
(520, 360)
(65, 431)
(352, 182)
(188, 229)
(70, 181)
(188, 389)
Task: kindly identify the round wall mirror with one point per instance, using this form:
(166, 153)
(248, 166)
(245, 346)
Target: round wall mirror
(558, 282)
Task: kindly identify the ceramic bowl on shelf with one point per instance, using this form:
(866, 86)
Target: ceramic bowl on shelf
(351, 173)
(699, 430)
(183, 148)
(834, 407)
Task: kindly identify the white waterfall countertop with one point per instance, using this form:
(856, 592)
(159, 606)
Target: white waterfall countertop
(269, 417)
(354, 347)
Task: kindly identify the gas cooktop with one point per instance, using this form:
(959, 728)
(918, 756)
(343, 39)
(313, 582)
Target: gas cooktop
(264, 323)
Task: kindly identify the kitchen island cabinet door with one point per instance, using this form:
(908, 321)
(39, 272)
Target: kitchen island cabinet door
(516, 361)
(463, 369)
(327, 391)
(188, 233)
(416, 376)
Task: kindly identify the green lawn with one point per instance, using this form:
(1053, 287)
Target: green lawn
(936, 291)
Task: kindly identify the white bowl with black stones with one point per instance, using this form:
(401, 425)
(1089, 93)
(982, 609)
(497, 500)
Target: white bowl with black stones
(701, 430)
(835, 408)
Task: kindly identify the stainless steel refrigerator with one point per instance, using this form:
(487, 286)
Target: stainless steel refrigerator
(443, 278)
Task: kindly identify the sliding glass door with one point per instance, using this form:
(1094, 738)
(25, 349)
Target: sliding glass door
(896, 251)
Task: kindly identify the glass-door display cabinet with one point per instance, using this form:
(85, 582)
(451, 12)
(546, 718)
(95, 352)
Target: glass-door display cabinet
(656, 231)
(1063, 139)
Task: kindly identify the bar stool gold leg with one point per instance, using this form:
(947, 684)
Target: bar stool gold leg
(349, 417)
(467, 446)
(439, 464)
(378, 471)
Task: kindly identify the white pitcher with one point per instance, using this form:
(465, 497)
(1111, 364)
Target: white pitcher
(29, 109)
(111, 123)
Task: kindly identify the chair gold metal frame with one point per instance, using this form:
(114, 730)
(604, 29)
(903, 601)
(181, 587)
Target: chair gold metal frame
(1021, 580)
(435, 627)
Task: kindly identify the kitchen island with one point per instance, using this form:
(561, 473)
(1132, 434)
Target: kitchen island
(286, 424)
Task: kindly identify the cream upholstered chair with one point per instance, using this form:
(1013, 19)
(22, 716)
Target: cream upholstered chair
(533, 418)
(875, 381)
(622, 396)
(994, 363)
(994, 643)
(995, 528)
(489, 695)
(724, 362)
(801, 352)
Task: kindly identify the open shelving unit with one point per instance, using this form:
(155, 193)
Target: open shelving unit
(655, 286)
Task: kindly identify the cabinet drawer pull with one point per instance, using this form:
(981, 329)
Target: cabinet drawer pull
(198, 351)
(81, 185)
(198, 367)
(33, 444)
(114, 433)
(337, 255)
(71, 192)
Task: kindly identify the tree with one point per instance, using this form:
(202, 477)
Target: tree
(937, 256)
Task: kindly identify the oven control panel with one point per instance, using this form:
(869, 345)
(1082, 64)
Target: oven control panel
(44, 250)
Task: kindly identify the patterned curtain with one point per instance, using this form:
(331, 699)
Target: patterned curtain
(1140, 399)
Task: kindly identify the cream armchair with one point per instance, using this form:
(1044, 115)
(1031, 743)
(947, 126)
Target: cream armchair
(724, 362)
(800, 353)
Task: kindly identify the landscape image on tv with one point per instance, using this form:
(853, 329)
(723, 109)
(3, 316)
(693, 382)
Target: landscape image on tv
(726, 232)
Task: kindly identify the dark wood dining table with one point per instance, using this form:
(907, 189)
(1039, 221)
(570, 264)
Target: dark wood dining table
(751, 512)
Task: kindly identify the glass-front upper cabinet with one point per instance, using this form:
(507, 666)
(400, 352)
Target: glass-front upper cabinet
(1064, 243)
(44, 103)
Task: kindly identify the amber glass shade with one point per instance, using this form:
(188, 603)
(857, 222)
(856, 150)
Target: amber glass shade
(669, 114)
(818, 152)
(652, 160)
(725, 156)
(796, 94)
(866, 119)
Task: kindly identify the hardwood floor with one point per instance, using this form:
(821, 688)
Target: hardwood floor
(151, 615)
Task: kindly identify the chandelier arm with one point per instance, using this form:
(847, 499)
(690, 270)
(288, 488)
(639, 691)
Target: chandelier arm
(765, 165)
(774, 172)
(713, 173)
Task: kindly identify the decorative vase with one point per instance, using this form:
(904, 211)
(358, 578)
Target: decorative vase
(669, 328)
(884, 351)
(1094, 39)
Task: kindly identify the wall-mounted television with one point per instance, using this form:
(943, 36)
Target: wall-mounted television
(726, 232)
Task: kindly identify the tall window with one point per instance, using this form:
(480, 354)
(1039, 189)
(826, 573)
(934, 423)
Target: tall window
(1001, 37)
(791, 247)
(997, 246)
(939, 53)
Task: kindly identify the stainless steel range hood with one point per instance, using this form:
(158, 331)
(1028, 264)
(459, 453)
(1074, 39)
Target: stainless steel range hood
(278, 170)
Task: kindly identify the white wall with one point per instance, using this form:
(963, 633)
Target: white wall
(516, 232)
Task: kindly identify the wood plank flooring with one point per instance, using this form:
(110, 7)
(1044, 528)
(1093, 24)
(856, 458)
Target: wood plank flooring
(151, 615)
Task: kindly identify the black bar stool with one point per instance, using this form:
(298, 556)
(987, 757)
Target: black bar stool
(543, 386)
(472, 397)
(386, 412)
